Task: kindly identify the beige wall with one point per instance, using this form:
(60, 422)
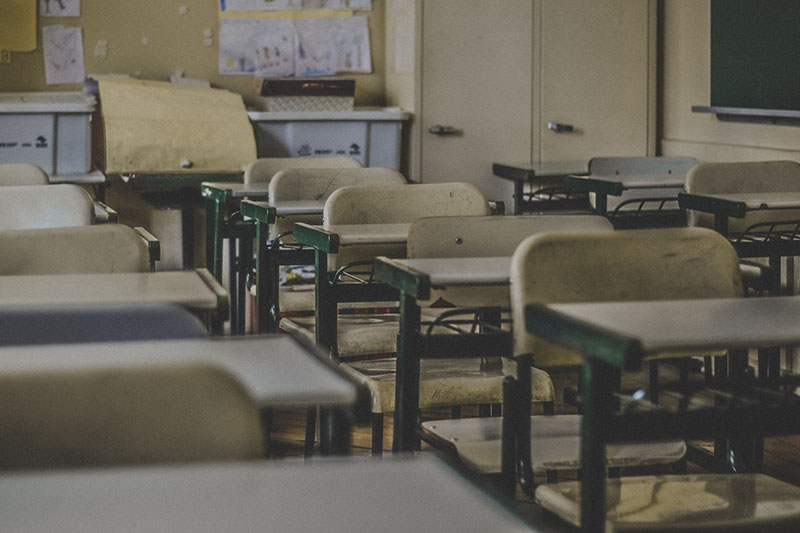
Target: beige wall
(687, 83)
(174, 43)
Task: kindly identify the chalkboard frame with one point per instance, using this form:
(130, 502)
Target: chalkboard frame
(755, 61)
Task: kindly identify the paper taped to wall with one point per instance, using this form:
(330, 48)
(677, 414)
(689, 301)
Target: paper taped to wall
(304, 47)
(278, 5)
(63, 54)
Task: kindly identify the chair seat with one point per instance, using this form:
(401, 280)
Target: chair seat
(301, 298)
(555, 444)
(357, 334)
(707, 502)
(446, 382)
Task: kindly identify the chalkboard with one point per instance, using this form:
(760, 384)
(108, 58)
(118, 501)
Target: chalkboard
(755, 54)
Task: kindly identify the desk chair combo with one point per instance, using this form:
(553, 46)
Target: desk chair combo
(636, 192)
(362, 223)
(296, 195)
(756, 205)
(223, 219)
(683, 297)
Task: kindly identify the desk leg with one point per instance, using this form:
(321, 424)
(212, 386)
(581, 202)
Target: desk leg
(519, 192)
(334, 431)
(326, 304)
(264, 294)
(187, 235)
(406, 399)
(601, 204)
(597, 378)
(214, 238)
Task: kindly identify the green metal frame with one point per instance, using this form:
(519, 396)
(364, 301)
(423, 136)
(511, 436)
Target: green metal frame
(601, 188)
(413, 345)
(605, 352)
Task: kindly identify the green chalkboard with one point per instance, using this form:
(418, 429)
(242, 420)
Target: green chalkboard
(755, 54)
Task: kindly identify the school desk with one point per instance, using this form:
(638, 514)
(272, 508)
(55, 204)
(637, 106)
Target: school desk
(336, 496)
(196, 290)
(622, 334)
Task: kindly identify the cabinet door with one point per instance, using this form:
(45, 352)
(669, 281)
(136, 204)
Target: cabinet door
(594, 68)
(476, 78)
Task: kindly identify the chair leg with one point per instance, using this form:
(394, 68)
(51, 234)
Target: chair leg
(377, 433)
(311, 431)
(266, 425)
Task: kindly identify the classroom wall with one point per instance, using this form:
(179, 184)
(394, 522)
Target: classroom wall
(687, 55)
(174, 43)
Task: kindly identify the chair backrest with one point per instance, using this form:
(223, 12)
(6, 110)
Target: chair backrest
(656, 168)
(55, 415)
(403, 204)
(54, 206)
(748, 177)
(629, 265)
(490, 236)
(22, 174)
(486, 236)
(396, 205)
(318, 184)
(263, 169)
(66, 324)
(104, 248)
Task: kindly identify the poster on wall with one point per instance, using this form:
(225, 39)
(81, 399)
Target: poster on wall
(63, 54)
(302, 47)
(60, 8)
(279, 5)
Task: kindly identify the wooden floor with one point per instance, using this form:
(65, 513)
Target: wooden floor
(781, 454)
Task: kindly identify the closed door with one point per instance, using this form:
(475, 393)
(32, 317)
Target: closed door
(595, 94)
(476, 90)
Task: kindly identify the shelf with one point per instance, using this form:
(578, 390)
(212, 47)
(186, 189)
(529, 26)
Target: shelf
(782, 117)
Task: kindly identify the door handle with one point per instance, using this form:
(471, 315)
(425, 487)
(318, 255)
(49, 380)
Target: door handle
(559, 127)
(438, 129)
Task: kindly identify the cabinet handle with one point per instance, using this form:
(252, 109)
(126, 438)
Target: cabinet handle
(438, 129)
(559, 128)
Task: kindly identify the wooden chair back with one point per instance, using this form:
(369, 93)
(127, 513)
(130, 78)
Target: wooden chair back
(318, 184)
(629, 265)
(66, 414)
(105, 248)
(263, 169)
(747, 177)
(22, 174)
(54, 206)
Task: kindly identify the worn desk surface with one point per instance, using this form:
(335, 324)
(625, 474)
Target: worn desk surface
(687, 325)
(453, 270)
(190, 289)
(277, 371)
(391, 495)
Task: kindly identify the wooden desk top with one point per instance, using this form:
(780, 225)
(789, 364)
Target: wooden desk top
(190, 289)
(390, 495)
(527, 171)
(416, 277)
(277, 371)
(239, 190)
(637, 329)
